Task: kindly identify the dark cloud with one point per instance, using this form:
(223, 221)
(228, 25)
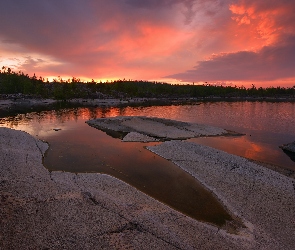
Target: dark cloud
(156, 4)
(190, 10)
(270, 63)
(151, 4)
(64, 28)
(47, 25)
(85, 36)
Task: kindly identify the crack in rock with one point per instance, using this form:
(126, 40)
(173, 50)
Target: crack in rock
(130, 226)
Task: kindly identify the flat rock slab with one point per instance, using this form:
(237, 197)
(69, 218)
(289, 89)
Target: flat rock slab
(156, 127)
(137, 137)
(260, 196)
(58, 210)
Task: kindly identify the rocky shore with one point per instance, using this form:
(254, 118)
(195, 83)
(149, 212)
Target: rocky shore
(11, 101)
(57, 210)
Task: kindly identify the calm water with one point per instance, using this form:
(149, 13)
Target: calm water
(80, 148)
(266, 126)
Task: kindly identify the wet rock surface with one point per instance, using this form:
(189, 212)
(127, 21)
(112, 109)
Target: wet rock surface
(164, 129)
(58, 210)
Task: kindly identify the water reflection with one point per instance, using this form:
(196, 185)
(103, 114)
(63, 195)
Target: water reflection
(78, 147)
(244, 146)
(267, 125)
(42, 123)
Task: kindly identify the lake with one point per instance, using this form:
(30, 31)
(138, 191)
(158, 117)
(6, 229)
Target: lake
(77, 147)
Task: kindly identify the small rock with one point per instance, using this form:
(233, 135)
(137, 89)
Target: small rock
(289, 147)
(137, 137)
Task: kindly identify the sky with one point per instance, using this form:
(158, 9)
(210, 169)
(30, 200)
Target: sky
(229, 42)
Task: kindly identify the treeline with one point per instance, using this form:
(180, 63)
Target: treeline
(19, 83)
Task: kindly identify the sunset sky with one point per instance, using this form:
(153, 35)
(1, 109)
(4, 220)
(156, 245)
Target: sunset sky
(238, 42)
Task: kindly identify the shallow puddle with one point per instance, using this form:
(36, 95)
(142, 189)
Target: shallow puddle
(86, 149)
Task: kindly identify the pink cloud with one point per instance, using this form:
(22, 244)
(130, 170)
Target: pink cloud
(149, 39)
(269, 27)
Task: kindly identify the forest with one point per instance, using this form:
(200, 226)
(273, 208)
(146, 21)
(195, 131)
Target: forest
(32, 86)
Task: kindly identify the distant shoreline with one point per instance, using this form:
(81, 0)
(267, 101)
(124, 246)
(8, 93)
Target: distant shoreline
(16, 104)
(14, 99)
